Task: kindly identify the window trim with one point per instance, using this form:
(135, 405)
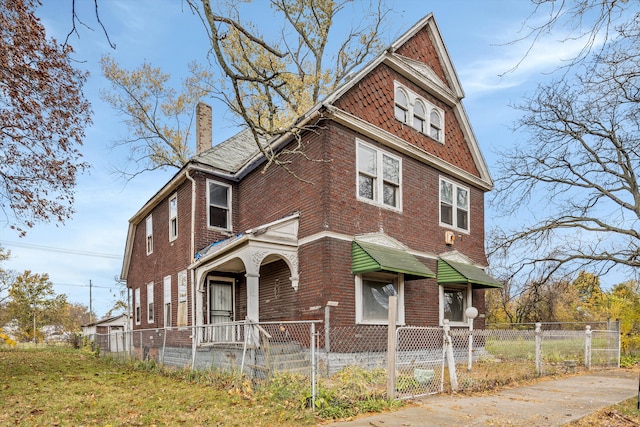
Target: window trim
(167, 317)
(229, 203)
(149, 234)
(468, 302)
(173, 218)
(454, 206)
(429, 108)
(150, 303)
(398, 279)
(137, 309)
(379, 181)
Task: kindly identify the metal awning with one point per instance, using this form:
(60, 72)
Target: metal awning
(368, 257)
(450, 272)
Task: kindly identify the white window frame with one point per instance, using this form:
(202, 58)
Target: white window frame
(413, 98)
(150, 303)
(149, 234)
(167, 302)
(468, 302)
(378, 177)
(401, 109)
(398, 279)
(173, 217)
(454, 205)
(228, 207)
(137, 311)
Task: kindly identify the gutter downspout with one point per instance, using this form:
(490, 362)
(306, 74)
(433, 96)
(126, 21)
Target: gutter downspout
(194, 332)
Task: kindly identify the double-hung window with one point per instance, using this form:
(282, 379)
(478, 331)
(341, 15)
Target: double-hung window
(173, 217)
(149, 234)
(372, 297)
(379, 176)
(136, 302)
(219, 202)
(167, 301)
(454, 205)
(150, 305)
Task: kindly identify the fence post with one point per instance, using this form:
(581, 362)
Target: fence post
(391, 349)
(451, 362)
(313, 366)
(539, 348)
(587, 348)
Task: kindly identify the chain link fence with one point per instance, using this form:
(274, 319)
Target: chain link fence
(426, 359)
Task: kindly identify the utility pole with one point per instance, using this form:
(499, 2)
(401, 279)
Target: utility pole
(90, 304)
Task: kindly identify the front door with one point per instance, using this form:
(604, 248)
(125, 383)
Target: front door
(221, 309)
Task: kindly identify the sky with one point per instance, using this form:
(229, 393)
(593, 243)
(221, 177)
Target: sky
(83, 257)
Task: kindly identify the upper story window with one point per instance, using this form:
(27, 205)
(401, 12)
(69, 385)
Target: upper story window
(454, 205)
(401, 106)
(149, 234)
(418, 113)
(379, 176)
(219, 202)
(173, 217)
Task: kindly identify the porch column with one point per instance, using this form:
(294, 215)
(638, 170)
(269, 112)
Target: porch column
(253, 295)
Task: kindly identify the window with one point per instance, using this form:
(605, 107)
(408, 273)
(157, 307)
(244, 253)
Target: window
(454, 205)
(182, 298)
(149, 234)
(136, 297)
(218, 199)
(173, 217)
(417, 112)
(379, 176)
(372, 297)
(167, 301)
(401, 106)
(435, 125)
(150, 305)
(419, 116)
(454, 301)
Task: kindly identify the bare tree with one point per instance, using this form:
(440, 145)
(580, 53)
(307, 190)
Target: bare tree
(577, 175)
(43, 115)
(269, 83)
(158, 119)
(266, 82)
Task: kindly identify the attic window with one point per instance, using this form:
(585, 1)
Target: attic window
(411, 109)
(402, 106)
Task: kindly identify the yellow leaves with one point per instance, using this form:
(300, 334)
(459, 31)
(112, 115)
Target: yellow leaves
(6, 339)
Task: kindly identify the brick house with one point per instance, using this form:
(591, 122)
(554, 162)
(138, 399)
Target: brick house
(397, 209)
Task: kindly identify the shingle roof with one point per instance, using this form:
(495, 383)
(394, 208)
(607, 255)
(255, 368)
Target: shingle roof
(230, 155)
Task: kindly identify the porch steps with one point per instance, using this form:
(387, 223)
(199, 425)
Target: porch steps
(284, 357)
(179, 357)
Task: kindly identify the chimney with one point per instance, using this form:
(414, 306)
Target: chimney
(204, 127)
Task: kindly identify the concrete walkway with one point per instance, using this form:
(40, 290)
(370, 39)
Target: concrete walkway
(546, 403)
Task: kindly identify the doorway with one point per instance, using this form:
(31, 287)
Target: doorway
(221, 308)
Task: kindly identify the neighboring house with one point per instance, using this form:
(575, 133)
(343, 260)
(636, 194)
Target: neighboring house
(397, 209)
(111, 334)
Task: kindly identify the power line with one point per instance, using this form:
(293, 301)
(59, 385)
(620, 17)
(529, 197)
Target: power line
(61, 250)
(84, 286)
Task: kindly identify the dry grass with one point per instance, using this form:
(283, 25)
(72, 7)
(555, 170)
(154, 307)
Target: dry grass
(54, 387)
(624, 414)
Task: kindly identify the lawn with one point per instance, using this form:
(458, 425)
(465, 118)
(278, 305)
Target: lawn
(63, 387)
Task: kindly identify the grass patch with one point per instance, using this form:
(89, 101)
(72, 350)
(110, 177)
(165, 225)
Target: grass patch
(54, 386)
(623, 414)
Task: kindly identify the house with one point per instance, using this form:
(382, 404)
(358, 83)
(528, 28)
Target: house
(398, 209)
(111, 334)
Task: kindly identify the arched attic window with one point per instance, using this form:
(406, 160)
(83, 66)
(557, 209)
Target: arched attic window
(419, 116)
(435, 125)
(401, 106)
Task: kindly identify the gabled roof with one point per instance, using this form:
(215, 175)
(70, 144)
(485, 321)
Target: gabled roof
(230, 155)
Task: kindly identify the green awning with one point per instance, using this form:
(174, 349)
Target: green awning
(368, 257)
(457, 272)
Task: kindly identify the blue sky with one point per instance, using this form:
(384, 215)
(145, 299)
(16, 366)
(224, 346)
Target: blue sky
(89, 247)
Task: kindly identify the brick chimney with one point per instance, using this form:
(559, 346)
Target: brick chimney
(204, 127)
